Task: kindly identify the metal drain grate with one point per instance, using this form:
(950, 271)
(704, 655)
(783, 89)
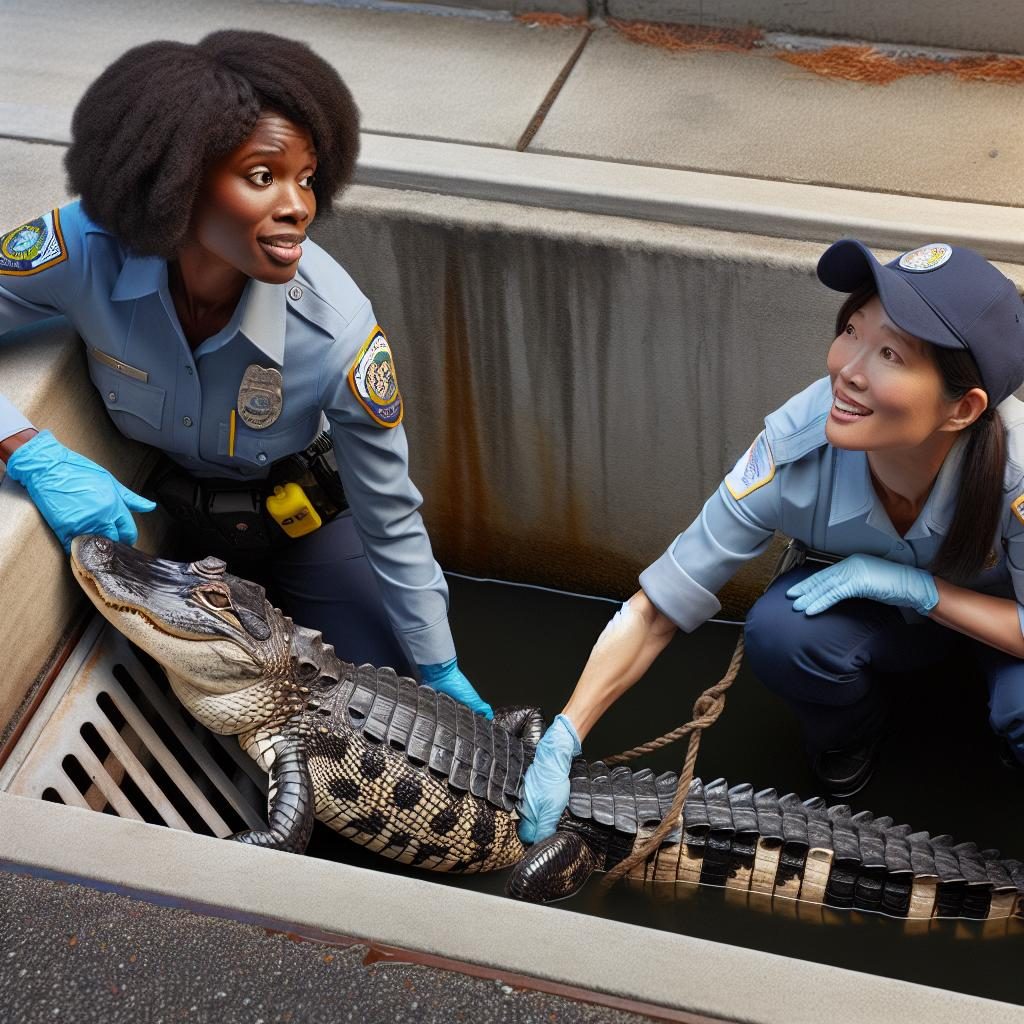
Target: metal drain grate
(111, 736)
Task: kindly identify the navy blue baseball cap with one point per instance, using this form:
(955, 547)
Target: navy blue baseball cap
(940, 293)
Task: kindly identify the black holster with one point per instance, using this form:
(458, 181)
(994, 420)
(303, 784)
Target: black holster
(231, 515)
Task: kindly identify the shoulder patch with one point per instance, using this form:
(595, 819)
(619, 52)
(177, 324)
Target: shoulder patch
(755, 469)
(1018, 507)
(33, 247)
(374, 382)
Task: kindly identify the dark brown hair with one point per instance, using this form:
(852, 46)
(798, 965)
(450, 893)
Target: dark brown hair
(979, 503)
(163, 113)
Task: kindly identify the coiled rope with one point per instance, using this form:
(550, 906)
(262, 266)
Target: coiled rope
(706, 710)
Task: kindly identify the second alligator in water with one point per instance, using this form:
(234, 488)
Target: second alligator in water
(418, 778)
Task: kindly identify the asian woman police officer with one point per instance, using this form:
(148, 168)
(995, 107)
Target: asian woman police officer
(218, 333)
(906, 462)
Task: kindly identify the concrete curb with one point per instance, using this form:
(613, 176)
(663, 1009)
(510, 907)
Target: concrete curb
(752, 206)
(625, 960)
(779, 209)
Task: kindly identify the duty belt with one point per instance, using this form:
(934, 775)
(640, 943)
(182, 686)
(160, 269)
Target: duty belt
(797, 553)
(234, 512)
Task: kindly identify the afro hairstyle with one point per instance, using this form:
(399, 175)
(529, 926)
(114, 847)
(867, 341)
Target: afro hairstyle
(147, 130)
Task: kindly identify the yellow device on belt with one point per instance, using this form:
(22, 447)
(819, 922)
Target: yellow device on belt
(293, 511)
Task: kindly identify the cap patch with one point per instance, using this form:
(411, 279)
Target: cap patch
(374, 382)
(754, 469)
(927, 257)
(33, 247)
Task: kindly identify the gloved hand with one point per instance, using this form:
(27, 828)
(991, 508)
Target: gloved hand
(546, 784)
(73, 494)
(447, 678)
(866, 576)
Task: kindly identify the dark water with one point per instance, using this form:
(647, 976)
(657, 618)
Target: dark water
(937, 771)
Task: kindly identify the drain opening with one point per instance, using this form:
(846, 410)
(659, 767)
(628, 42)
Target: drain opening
(113, 738)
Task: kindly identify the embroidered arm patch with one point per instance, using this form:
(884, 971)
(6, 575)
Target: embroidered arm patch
(33, 247)
(754, 469)
(374, 382)
(1018, 507)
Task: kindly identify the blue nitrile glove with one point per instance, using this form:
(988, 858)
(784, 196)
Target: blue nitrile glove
(73, 494)
(447, 678)
(546, 783)
(866, 576)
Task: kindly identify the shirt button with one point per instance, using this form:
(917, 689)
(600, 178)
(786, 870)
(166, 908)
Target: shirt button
(112, 396)
(186, 421)
(188, 370)
(262, 457)
(899, 547)
(295, 292)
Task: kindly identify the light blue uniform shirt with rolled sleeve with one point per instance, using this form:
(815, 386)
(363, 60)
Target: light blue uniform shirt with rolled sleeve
(159, 391)
(793, 481)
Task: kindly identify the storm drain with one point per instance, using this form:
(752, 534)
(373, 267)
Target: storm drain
(111, 736)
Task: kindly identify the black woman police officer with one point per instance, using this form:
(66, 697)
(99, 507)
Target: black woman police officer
(219, 334)
(907, 461)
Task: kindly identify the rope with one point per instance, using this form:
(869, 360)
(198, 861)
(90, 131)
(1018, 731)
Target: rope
(706, 709)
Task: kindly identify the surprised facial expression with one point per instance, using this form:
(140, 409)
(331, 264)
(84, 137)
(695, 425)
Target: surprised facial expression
(256, 203)
(886, 386)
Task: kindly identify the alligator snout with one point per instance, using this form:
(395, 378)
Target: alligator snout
(92, 552)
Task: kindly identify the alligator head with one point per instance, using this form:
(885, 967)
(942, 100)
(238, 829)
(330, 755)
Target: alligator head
(213, 633)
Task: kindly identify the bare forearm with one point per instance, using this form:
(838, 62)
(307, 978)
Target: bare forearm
(624, 651)
(9, 444)
(992, 620)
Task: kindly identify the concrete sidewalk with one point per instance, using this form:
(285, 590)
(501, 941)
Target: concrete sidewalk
(483, 81)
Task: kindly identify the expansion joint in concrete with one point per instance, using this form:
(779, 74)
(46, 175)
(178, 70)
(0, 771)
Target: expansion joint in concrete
(552, 94)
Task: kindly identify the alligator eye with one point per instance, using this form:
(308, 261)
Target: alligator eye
(214, 598)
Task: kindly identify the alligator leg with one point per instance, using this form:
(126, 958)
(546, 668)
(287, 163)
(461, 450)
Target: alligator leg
(289, 801)
(526, 723)
(553, 869)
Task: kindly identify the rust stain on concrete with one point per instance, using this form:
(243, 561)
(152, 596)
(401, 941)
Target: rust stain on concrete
(853, 63)
(464, 502)
(669, 36)
(873, 67)
(477, 529)
(549, 19)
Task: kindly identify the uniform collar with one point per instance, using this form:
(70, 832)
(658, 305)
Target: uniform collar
(264, 315)
(940, 507)
(261, 314)
(140, 275)
(853, 495)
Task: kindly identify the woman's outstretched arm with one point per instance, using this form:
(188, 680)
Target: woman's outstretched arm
(624, 651)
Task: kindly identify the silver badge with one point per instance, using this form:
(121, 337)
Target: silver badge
(260, 396)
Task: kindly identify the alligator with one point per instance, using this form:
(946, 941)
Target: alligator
(411, 774)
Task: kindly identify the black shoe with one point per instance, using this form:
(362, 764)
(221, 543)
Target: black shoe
(1007, 758)
(843, 773)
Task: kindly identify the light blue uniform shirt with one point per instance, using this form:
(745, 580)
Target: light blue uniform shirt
(159, 391)
(792, 480)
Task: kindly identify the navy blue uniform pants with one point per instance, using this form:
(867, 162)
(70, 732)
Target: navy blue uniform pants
(831, 668)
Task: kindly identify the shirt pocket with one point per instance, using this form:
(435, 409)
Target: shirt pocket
(265, 447)
(135, 406)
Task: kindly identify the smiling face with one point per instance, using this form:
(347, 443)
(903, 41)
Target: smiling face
(886, 386)
(257, 202)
